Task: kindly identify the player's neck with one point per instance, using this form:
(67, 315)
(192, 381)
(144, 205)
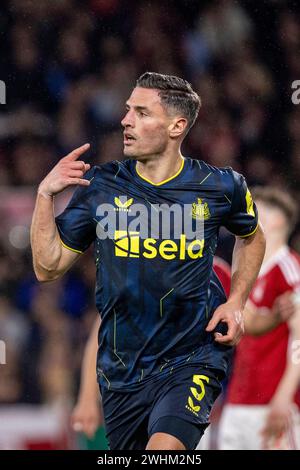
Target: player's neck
(158, 168)
(273, 246)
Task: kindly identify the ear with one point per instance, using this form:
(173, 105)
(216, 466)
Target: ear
(177, 127)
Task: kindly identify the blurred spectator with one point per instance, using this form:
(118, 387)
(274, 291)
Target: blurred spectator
(224, 25)
(14, 331)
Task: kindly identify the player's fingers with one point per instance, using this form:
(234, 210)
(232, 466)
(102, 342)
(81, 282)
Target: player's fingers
(77, 152)
(224, 339)
(79, 181)
(228, 340)
(213, 322)
(79, 165)
(231, 336)
(75, 173)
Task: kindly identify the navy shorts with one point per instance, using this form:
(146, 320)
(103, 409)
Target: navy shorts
(178, 403)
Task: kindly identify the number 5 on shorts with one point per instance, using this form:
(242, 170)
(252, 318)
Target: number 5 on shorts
(198, 380)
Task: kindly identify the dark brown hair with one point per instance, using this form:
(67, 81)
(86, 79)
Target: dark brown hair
(174, 93)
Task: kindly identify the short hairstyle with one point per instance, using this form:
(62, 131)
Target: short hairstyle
(280, 199)
(174, 92)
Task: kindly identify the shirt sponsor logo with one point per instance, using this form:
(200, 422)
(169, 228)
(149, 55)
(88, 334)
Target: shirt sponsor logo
(129, 244)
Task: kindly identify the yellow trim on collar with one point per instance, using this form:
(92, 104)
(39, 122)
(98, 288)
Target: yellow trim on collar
(164, 181)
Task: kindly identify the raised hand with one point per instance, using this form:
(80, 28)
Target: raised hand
(68, 171)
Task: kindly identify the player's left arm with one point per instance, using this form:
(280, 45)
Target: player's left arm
(248, 254)
(279, 418)
(247, 258)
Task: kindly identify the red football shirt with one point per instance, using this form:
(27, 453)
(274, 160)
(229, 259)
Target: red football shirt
(260, 361)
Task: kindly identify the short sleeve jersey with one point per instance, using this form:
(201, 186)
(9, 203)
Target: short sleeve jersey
(154, 248)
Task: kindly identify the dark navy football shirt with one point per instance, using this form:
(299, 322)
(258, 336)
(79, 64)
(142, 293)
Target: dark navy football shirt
(156, 294)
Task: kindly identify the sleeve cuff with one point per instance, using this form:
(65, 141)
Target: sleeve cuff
(70, 248)
(248, 234)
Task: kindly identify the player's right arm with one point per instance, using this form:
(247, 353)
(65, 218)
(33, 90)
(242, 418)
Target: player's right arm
(50, 258)
(248, 254)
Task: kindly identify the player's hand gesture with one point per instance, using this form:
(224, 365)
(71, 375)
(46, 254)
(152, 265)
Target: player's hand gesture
(232, 317)
(68, 171)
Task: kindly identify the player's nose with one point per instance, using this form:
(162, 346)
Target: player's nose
(127, 120)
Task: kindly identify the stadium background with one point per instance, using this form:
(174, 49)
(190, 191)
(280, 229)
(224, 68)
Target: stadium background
(68, 67)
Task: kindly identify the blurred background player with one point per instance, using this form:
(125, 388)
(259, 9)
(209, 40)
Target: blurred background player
(262, 398)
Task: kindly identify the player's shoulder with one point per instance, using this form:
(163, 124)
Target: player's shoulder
(104, 168)
(222, 177)
(204, 167)
(108, 170)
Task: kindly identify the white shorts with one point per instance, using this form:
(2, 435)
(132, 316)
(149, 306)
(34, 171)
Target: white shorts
(241, 426)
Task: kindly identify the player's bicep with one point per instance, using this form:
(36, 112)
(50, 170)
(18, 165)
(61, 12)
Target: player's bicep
(67, 259)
